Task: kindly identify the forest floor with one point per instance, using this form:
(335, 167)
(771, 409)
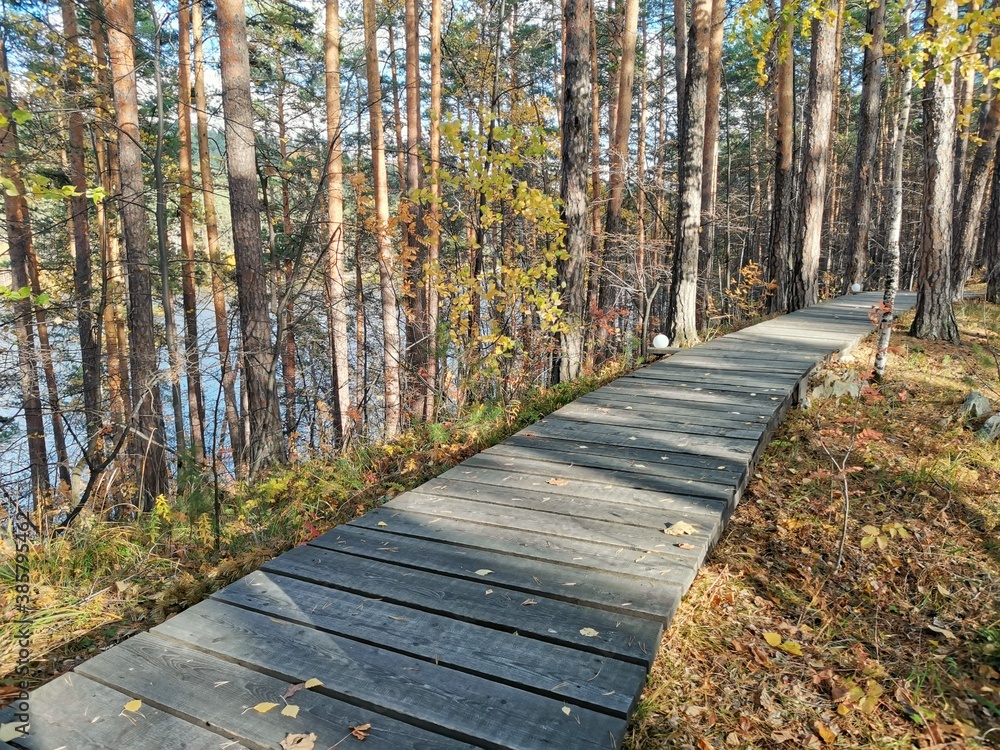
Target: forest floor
(900, 648)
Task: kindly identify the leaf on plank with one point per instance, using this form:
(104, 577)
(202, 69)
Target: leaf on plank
(299, 742)
(589, 632)
(133, 706)
(681, 528)
(558, 482)
(291, 711)
(263, 707)
(361, 731)
(312, 682)
(483, 572)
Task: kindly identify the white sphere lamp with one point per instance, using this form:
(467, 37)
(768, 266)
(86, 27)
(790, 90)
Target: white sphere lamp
(660, 341)
(855, 288)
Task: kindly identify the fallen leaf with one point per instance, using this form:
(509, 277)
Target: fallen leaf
(825, 733)
(566, 710)
(382, 523)
(293, 689)
(685, 545)
(528, 602)
(291, 711)
(773, 639)
(361, 731)
(943, 631)
(133, 706)
(784, 735)
(559, 482)
(704, 744)
(263, 707)
(680, 529)
(791, 647)
(299, 742)
(483, 572)
(312, 682)
(589, 632)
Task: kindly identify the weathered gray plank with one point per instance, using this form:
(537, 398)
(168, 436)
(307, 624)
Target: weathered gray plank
(705, 423)
(725, 385)
(544, 470)
(735, 400)
(572, 552)
(459, 705)
(203, 689)
(623, 637)
(616, 592)
(665, 409)
(639, 397)
(570, 527)
(680, 371)
(75, 713)
(581, 679)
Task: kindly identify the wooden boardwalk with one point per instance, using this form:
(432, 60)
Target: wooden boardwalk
(516, 601)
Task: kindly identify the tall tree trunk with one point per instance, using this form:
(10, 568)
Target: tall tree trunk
(864, 163)
(18, 240)
(680, 57)
(935, 318)
(434, 240)
(623, 127)
(192, 364)
(805, 290)
(710, 163)
(397, 116)
(783, 209)
(684, 286)
(966, 92)
(577, 111)
(237, 440)
(336, 283)
(264, 443)
(991, 250)
(640, 199)
(286, 302)
(147, 443)
(390, 316)
(82, 276)
(419, 337)
(895, 209)
(970, 217)
(163, 248)
(831, 208)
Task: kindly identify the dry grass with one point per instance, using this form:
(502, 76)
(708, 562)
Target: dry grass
(900, 648)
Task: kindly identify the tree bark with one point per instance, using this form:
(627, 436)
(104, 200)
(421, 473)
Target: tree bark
(864, 163)
(783, 209)
(577, 110)
(970, 216)
(618, 162)
(390, 315)
(710, 163)
(991, 250)
(19, 239)
(147, 443)
(684, 286)
(264, 443)
(680, 56)
(805, 289)
(434, 239)
(935, 318)
(192, 364)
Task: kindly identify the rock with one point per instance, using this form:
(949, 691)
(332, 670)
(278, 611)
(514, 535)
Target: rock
(990, 430)
(976, 405)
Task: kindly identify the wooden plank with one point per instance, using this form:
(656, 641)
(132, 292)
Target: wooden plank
(203, 689)
(629, 395)
(575, 552)
(76, 713)
(542, 471)
(570, 527)
(711, 374)
(581, 679)
(710, 384)
(615, 592)
(664, 409)
(709, 396)
(582, 412)
(737, 362)
(572, 454)
(462, 706)
(724, 448)
(623, 637)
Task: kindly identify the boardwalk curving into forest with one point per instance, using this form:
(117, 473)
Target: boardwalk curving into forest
(515, 601)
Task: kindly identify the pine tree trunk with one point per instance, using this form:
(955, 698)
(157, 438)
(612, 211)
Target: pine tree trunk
(335, 273)
(618, 162)
(397, 119)
(192, 363)
(991, 249)
(18, 240)
(147, 443)
(710, 163)
(783, 209)
(864, 163)
(390, 316)
(805, 287)
(680, 55)
(264, 443)
(684, 286)
(577, 110)
(434, 243)
(935, 318)
(237, 440)
(970, 217)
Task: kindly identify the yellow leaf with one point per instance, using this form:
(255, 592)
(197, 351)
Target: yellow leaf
(312, 682)
(867, 542)
(589, 632)
(825, 733)
(382, 523)
(791, 647)
(680, 529)
(566, 710)
(263, 707)
(483, 572)
(843, 709)
(133, 706)
(773, 639)
(291, 711)
(559, 482)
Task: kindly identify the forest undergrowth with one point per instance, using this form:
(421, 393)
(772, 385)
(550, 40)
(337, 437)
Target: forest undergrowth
(103, 581)
(901, 647)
